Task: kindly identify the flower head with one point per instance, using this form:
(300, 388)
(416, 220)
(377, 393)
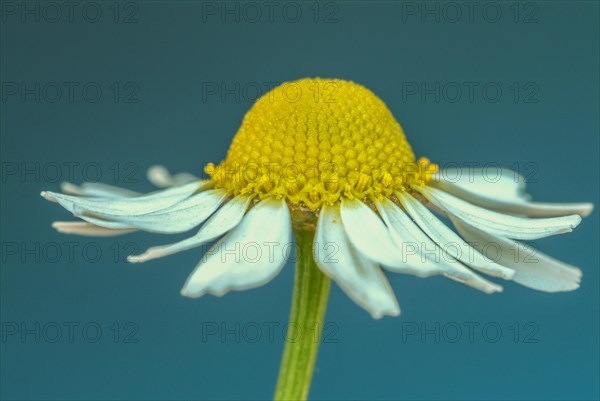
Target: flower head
(328, 156)
(314, 141)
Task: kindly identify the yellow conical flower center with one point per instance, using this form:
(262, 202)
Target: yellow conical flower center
(315, 140)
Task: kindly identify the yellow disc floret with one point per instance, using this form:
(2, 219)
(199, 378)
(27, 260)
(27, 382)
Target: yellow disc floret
(315, 140)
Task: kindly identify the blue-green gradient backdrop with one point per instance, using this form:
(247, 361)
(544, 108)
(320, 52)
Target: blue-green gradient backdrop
(176, 79)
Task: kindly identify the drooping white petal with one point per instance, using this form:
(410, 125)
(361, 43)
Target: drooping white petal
(225, 219)
(180, 217)
(511, 205)
(533, 268)
(126, 206)
(544, 209)
(97, 189)
(249, 256)
(449, 241)
(87, 229)
(434, 259)
(495, 223)
(368, 233)
(475, 281)
(360, 278)
(407, 241)
(495, 183)
(112, 225)
(160, 177)
(417, 249)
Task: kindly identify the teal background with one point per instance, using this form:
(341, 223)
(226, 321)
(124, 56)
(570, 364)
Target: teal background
(168, 56)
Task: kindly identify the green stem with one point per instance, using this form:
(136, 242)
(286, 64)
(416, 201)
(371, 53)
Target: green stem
(309, 302)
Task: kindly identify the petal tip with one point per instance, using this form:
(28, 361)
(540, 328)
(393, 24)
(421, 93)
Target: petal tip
(508, 274)
(586, 209)
(392, 309)
(188, 293)
(158, 174)
(495, 288)
(574, 286)
(69, 188)
(135, 258)
(60, 227)
(381, 314)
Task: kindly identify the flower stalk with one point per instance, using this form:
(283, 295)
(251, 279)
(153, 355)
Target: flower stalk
(309, 303)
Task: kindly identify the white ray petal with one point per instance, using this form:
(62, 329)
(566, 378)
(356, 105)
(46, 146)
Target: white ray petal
(249, 256)
(368, 233)
(495, 223)
(413, 244)
(426, 249)
(360, 278)
(533, 268)
(515, 206)
(160, 177)
(180, 217)
(475, 281)
(87, 229)
(225, 219)
(408, 245)
(126, 206)
(492, 182)
(97, 189)
(448, 240)
(112, 225)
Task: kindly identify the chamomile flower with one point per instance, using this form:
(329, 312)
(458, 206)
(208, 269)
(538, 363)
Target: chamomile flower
(327, 160)
(328, 155)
